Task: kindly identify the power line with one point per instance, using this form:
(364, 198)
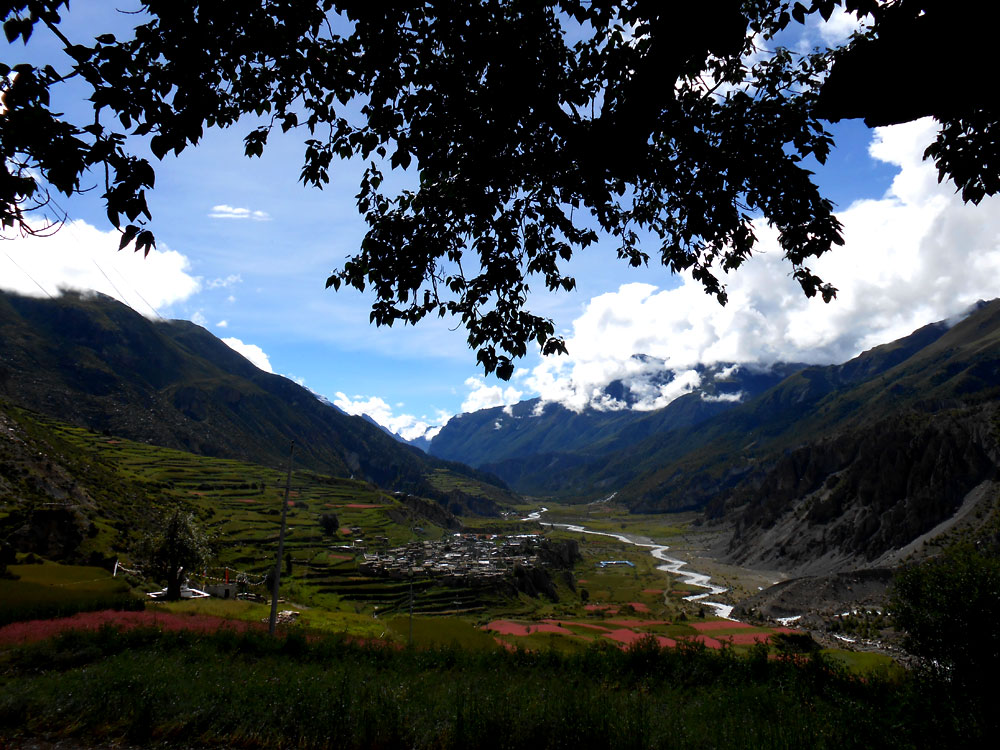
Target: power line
(44, 291)
(120, 295)
(138, 293)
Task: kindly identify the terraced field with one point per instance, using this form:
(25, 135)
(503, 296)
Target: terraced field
(128, 485)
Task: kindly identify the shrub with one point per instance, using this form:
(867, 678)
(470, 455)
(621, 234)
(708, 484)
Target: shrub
(949, 608)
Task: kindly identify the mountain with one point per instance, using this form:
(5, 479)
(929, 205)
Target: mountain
(421, 443)
(512, 440)
(93, 362)
(831, 468)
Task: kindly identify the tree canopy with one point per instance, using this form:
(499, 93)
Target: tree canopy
(531, 127)
(949, 607)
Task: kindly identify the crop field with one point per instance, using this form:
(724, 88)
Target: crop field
(47, 589)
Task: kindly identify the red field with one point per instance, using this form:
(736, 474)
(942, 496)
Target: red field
(38, 630)
(702, 627)
(625, 632)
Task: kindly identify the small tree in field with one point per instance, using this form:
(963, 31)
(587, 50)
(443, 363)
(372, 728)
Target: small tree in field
(166, 554)
(329, 523)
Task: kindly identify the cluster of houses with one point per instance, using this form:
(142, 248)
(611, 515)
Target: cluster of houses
(459, 559)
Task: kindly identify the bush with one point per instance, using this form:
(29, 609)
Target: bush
(329, 523)
(949, 608)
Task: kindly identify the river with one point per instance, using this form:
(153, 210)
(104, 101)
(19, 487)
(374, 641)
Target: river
(659, 552)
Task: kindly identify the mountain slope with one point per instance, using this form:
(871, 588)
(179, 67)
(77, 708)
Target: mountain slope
(833, 467)
(518, 442)
(838, 466)
(94, 362)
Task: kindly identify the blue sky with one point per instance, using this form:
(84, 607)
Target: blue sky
(244, 250)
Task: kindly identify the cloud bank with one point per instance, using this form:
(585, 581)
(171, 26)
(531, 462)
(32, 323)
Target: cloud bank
(917, 255)
(81, 257)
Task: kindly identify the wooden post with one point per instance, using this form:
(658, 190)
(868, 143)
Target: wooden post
(272, 622)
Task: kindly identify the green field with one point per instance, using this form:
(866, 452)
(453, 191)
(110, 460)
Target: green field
(48, 589)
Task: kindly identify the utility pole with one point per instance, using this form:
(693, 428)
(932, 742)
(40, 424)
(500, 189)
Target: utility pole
(272, 622)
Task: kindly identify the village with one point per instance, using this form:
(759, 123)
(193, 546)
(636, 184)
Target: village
(458, 559)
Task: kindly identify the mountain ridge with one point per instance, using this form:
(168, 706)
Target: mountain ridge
(92, 361)
(833, 467)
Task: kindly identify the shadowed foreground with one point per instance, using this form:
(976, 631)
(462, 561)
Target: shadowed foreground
(246, 690)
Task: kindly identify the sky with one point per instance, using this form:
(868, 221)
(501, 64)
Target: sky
(244, 250)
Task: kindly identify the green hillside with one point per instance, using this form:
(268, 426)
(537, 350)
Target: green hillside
(95, 363)
(73, 495)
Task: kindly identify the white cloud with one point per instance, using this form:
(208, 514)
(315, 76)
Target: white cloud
(252, 352)
(406, 426)
(838, 28)
(222, 324)
(230, 280)
(223, 211)
(720, 397)
(81, 257)
(199, 319)
(917, 255)
(834, 32)
(482, 396)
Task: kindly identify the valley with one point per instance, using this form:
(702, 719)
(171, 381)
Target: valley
(358, 575)
(721, 533)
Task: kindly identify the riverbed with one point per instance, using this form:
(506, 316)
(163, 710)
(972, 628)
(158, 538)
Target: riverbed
(659, 552)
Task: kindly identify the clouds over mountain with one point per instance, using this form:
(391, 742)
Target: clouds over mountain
(81, 257)
(406, 426)
(252, 352)
(916, 255)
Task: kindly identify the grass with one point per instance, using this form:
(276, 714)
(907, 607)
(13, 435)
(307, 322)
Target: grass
(866, 662)
(252, 691)
(52, 590)
(440, 632)
(229, 609)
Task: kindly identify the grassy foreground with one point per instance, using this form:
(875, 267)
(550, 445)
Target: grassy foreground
(248, 690)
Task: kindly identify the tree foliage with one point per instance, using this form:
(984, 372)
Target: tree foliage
(531, 128)
(329, 523)
(949, 608)
(166, 553)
